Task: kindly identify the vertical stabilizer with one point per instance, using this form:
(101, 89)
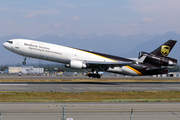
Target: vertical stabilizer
(164, 49)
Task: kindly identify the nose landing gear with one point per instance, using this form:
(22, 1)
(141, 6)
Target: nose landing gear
(24, 62)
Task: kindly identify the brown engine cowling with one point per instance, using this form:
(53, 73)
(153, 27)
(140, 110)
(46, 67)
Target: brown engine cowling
(158, 60)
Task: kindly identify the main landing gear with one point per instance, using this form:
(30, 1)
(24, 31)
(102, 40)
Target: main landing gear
(24, 62)
(94, 75)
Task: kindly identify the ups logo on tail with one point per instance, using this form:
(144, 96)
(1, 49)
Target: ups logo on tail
(165, 50)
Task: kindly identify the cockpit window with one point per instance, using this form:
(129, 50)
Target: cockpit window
(11, 42)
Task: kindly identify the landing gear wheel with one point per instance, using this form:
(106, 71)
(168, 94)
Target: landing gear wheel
(94, 75)
(98, 76)
(24, 62)
(89, 75)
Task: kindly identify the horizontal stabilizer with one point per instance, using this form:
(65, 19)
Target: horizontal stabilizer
(141, 60)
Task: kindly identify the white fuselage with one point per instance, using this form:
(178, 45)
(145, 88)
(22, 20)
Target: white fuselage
(58, 53)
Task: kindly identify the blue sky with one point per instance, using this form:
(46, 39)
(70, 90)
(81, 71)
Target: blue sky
(34, 18)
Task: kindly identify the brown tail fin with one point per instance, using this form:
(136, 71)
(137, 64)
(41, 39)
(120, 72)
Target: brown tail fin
(165, 48)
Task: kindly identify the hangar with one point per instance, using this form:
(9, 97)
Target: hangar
(26, 70)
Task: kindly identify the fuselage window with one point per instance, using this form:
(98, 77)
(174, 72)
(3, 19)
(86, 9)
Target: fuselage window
(11, 42)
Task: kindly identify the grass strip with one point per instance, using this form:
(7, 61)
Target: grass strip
(108, 96)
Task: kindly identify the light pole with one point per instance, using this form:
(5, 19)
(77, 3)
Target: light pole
(131, 114)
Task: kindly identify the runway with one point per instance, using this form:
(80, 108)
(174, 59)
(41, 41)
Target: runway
(86, 77)
(90, 111)
(89, 86)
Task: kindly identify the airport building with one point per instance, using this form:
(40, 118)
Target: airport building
(26, 70)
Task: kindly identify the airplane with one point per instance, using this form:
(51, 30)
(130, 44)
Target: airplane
(152, 63)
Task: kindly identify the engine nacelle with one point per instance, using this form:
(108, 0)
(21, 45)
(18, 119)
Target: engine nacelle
(75, 64)
(158, 60)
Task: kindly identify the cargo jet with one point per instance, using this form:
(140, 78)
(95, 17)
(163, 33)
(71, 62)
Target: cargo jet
(152, 63)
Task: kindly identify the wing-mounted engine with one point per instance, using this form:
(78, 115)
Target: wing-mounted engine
(75, 64)
(157, 60)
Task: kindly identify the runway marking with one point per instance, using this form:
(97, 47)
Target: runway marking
(13, 84)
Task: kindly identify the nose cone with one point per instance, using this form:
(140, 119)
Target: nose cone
(6, 45)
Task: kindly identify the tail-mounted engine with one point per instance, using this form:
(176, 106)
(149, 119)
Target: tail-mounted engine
(157, 60)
